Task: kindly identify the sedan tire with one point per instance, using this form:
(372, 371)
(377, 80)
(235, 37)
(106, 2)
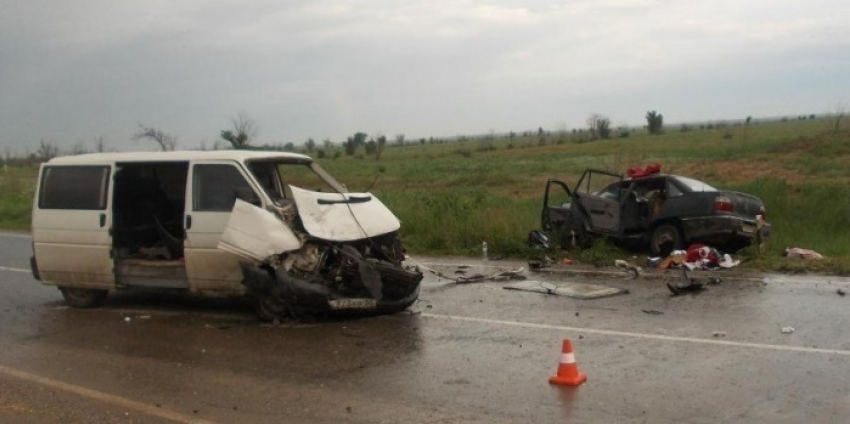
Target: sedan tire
(665, 239)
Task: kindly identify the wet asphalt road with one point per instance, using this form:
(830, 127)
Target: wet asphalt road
(471, 353)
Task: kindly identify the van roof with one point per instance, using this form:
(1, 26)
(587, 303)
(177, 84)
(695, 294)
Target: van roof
(237, 155)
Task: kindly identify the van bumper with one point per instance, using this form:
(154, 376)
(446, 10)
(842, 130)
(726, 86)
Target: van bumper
(299, 295)
(34, 268)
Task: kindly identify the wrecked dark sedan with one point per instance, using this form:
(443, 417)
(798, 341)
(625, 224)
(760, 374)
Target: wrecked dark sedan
(270, 225)
(667, 212)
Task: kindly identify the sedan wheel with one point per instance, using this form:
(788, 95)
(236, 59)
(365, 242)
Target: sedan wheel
(665, 239)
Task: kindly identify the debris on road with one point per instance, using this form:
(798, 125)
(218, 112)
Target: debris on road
(652, 312)
(628, 267)
(718, 334)
(796, 252)
(688, 287)
(787, 330)
(499, 276)
(697, 256)
(841, 292)
(569, 289)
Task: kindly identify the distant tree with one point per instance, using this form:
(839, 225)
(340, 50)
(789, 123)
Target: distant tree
(165, 140)
(310, 145)
(47, 150)
(349, 146)
(399, 140)
(360, 138)
(599, 126)
(747, 126)
(654, 122)
(371, 147)
(8, 154)
(832, 119)
(289, 147)
(100, 144)
(78, 149)
(244, 129)
(380, 144)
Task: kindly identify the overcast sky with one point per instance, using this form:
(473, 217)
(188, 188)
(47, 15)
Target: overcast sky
(72, 71)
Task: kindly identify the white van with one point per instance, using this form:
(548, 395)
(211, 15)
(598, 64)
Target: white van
(274, 226)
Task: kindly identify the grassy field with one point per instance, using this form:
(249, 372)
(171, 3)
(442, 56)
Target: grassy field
(451, 196)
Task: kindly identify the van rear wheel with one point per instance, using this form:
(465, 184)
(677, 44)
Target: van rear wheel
(83, 298)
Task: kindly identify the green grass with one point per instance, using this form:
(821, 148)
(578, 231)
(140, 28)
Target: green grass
(452, 196)
(17, 186)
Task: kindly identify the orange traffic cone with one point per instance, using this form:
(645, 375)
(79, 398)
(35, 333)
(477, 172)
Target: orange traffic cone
(568, 373)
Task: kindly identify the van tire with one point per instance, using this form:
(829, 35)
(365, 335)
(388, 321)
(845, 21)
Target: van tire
(267, 309)
(83, 298)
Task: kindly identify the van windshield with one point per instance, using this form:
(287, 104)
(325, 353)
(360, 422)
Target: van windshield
(275, 177)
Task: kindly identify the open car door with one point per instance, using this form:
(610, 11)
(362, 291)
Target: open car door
(556, 205)
(597, 197)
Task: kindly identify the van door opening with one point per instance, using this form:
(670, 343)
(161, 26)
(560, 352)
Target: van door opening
(147, 231)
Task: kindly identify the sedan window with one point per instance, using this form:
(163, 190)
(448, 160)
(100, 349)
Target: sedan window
(695, 185)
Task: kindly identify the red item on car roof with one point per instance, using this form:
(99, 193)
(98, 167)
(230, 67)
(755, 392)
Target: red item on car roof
(637, 171)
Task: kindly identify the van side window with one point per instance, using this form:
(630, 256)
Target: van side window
(74, 187)
(216, 188)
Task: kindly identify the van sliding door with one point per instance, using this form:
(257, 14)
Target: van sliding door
(71, 226)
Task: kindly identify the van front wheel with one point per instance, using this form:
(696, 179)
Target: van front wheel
(83, 298)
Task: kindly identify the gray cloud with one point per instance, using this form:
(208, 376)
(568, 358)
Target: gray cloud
(78, 70)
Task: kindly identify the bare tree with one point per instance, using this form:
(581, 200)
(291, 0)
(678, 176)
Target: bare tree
(599, 126)
(8, 154)
(47, 150)
(78, 148)
(399, 140)
(310, 145)
(165, 140)
(833, 118)
(100, 144)
(244, 130)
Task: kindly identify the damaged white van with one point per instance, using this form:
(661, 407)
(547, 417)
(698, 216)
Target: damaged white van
(273, 226)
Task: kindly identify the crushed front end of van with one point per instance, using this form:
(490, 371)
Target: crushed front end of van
(321, 253)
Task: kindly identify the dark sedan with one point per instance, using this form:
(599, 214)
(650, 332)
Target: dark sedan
(668, 212)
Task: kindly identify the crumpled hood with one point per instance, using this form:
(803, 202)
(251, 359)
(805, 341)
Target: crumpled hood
(343, 216)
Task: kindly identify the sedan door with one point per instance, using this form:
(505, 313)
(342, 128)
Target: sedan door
(598, 198)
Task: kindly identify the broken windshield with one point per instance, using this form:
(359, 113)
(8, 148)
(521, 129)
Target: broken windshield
(275, 177)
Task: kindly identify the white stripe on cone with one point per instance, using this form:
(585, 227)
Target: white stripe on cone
(568, 358)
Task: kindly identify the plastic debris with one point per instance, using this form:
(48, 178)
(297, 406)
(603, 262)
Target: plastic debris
(652, 312)
(628, 267)
(718, 334)
(841, 292)
(787, 330)
(690, 286)
(796, 252)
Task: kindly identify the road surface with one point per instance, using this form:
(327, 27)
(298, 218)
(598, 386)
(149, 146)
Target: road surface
(465, 353)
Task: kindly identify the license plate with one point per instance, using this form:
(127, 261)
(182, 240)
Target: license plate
(748, 229)
(338, 304)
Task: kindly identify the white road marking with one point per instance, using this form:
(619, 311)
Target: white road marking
(105, 397)
(3, 268)
(641, 335)
(14, 235)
